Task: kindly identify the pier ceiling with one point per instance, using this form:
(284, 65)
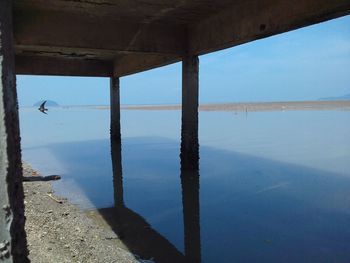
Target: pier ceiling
(122, 37)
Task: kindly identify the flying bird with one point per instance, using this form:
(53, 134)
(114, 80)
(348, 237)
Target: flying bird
(42, 108)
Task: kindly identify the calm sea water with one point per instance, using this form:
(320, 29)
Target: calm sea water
(272, 186)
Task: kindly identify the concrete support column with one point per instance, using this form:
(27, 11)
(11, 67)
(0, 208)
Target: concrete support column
(189, 126)
(13, 246)
(116, 141)
(115, 108)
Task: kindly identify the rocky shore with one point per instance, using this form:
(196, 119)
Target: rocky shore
(58, 231)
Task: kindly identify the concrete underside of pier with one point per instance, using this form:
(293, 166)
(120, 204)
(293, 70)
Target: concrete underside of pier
(122, 37)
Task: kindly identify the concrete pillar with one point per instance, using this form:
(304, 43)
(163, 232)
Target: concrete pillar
(115, 108)
(189, 126)
(13, 246)
(191, 215)
(116, 141)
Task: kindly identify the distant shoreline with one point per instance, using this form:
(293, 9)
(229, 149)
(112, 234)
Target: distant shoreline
(232, 107)
(249, 106)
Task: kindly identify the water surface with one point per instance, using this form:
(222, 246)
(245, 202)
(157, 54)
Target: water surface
(272, 186)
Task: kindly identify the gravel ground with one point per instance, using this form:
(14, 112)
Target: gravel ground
(60, 232)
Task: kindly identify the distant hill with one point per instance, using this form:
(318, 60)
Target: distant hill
(344, 97)
(49, 103)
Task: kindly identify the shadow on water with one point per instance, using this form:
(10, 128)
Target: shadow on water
(138, 235)
(249, 209)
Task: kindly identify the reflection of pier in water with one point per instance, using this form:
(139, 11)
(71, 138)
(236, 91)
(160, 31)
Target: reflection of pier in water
(138, 235)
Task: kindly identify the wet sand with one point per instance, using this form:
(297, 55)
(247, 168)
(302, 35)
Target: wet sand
(255, 106)
(249, 106)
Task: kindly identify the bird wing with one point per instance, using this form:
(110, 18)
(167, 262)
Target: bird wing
(43, 104)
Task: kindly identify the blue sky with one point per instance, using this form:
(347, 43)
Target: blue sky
(305, 64)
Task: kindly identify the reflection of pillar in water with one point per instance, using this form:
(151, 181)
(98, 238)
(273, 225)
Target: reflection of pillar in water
(117, 173)
(116, 142)
(189, 122)
(190, 203)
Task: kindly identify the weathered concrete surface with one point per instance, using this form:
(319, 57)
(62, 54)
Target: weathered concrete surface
(115, 108)
(40, 65)
(251, 20)
(35, 29)
(124, 64)
(179, 12)
(13, 247)
(140, 35)
(189, 123)
(131, 63)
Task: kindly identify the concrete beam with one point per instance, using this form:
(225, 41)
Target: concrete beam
(189, 122)
(134, 63)
(124, 65)
(250, 20)
(31, 65)
(13, 246)
(42, 29)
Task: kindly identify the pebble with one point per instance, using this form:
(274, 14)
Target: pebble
(55, 235)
